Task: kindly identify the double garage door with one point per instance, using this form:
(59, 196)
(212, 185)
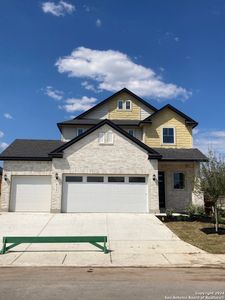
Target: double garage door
(81, 194)
(105, 194)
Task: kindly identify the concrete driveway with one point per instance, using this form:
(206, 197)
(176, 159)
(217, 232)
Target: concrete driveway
(134, 240)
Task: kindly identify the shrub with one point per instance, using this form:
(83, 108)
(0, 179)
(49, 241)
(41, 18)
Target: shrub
(191, 210)
(169, 212)
(200, 210)
(221, 216)
(195, 210)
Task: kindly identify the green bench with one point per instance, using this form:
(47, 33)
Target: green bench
(17, 240)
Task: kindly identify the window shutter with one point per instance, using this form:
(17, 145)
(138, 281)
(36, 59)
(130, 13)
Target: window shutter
(110, 137)
(101, 138)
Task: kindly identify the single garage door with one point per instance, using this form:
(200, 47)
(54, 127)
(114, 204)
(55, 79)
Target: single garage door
(105, 194)
(30, 193)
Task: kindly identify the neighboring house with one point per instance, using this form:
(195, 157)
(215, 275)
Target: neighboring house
(122, 155)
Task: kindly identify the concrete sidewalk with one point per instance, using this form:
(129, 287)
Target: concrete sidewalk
(135, 240)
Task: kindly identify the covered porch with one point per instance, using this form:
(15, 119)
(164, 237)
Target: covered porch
(176, 174)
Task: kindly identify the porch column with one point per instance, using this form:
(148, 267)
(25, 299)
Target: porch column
(197, 199)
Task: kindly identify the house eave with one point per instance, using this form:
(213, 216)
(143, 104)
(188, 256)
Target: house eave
(4, 158)
(183, 160)
(56, 155)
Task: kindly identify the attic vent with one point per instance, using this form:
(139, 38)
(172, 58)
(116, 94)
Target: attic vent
(105, 138)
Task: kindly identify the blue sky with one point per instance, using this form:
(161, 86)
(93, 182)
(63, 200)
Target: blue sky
(60, 57)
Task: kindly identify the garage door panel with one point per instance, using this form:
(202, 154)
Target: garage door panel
(30, 193)
(105, 197)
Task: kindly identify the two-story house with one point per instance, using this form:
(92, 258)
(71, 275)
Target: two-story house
(122, 155)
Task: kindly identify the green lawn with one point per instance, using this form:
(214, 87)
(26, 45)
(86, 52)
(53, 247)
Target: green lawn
(200, 234)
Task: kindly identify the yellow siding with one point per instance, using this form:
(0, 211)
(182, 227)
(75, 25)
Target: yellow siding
(115, 114)
(168, 118)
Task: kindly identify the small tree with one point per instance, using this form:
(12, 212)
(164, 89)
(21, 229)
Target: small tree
(211, 180)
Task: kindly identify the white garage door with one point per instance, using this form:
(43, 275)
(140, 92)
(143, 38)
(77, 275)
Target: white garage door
(105, 194)
(31, 193)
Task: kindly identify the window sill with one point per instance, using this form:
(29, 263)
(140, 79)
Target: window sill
(124, 110)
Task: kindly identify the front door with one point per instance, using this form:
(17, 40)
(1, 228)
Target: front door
(161, 178)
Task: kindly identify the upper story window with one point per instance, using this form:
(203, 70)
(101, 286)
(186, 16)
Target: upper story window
(105, 138)
(168, 135)
(120, 104)
(128, 104)
(124, 105)
(131, 132)
(80, 131)
(178, 181)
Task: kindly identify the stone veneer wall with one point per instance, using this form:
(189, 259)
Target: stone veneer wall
(12, 168)
(88, 157)
(177, 199)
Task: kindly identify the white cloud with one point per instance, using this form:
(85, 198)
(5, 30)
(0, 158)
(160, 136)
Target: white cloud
(89, 86)
(3, 146)
(98, 23)
(8, 116)
(76, 104)
(176, 39)
(54, 94)
(210, 139)
(113, 70)
(195, 131)
(59, 9)
(218, 134)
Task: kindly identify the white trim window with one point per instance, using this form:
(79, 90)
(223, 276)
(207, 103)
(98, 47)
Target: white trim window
(109, 135)
(124, 105)
(101, 138)
(168, 135)
(128, 105)
(106, 138)
(80, 131)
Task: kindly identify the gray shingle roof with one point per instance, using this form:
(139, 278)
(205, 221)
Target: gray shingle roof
(96, 121)
(30, 149)
(39, 150)
(181, 154)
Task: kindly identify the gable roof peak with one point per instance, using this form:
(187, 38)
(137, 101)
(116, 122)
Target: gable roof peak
(58, 151)
(188, 120)
(123, 90)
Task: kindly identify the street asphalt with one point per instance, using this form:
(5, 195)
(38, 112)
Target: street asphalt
(69, 283)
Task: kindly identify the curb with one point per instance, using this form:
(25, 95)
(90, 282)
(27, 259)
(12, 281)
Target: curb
(211, 266)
